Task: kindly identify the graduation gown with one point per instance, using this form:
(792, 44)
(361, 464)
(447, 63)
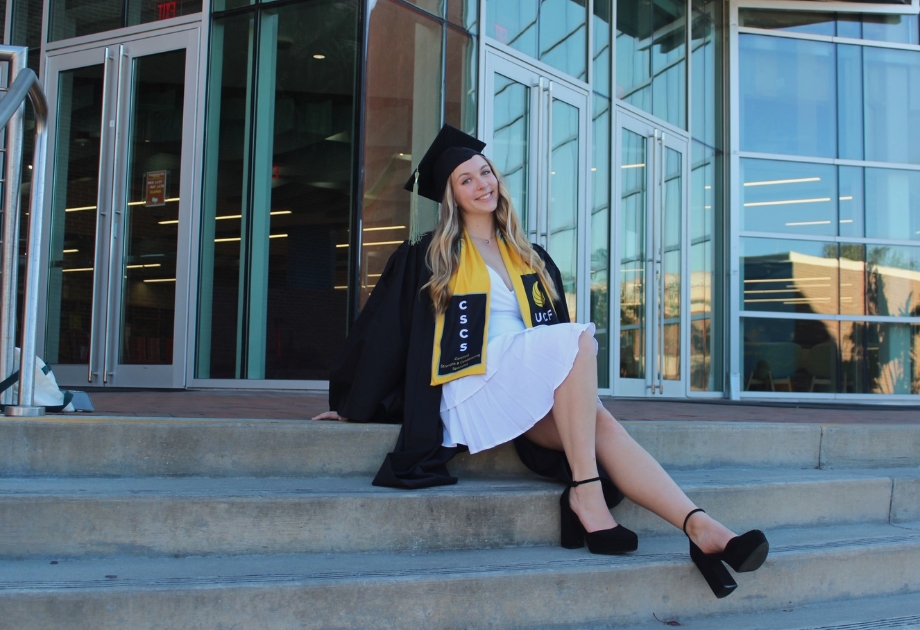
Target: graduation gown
(384, 375)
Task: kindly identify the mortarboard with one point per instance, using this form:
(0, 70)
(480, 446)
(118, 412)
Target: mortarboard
(450, 149)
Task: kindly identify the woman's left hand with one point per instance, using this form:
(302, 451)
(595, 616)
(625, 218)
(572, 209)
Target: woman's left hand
(330, 415)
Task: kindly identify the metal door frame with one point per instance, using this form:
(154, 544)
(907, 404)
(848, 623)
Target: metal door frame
(117, 56)
(658, 138)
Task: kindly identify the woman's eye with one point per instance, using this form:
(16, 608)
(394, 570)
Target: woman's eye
(466, 181)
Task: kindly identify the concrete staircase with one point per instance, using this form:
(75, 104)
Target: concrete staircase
(166, 523)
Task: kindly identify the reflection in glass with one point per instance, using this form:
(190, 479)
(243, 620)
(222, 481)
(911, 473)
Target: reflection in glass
(881, 358)
(150, 244)
(789, 276)
(892, 79)
(813, 23)
(600, 79)
(600, 236)
(460, 82)
(513, 24)
(74, 215)
(632, 229)
(893, 280)
(789, 197)
(510, 140)
(790, 355)
(671, 231)
(564, 35)
(73, 19)
(892, 204)
(651, 53)
(706, 71)
(562, 212)
(402, 117)
(852, 278)
(705, 199)
(788, 96)
(223, 200)
(851, 201)
(901, 29)
(464, 13)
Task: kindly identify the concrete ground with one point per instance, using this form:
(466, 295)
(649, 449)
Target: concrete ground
(290, 405)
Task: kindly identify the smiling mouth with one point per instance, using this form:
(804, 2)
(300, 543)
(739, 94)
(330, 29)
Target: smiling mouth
(485, 197)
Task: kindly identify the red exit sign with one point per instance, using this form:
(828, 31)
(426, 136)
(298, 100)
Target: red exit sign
(166, 10)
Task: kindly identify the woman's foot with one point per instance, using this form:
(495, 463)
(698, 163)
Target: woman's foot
(707, 533)
(587, 501)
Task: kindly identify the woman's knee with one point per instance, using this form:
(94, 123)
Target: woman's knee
(608, 426)
(586, 344)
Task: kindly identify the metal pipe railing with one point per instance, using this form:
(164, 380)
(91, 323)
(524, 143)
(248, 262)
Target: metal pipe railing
(24, 85)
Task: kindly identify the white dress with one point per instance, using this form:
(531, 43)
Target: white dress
(524, 366)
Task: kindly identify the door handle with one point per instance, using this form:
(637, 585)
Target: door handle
(101, 210)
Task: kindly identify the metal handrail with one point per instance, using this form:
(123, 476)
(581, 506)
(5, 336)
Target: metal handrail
(25, 84)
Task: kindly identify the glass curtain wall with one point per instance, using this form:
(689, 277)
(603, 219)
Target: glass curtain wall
(599, 237)
(421, 72)
(277, 194)
(71, 18)
(830, 219)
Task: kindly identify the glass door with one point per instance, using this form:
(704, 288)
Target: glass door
(122, 130)
(536, 132)
(651, 260)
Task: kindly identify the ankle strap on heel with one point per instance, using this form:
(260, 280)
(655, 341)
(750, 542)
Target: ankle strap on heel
(687, 520)
(578, 483)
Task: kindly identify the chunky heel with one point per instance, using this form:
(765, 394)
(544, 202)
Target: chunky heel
(717, 576)
(573, 534)
(615, 540)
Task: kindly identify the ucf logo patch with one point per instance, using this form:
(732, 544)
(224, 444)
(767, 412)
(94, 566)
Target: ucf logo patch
(461, 340)
(541, 307)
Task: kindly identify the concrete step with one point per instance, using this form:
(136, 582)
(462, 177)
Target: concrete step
(893, 611)
(50, 517)
(502, 588)
(95, 446)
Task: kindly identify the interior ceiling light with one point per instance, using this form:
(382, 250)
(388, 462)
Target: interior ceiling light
(784, 181)
(318, 56)
(785, 202)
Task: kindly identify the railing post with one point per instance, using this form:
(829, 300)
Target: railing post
(9, 259)
(26, 85)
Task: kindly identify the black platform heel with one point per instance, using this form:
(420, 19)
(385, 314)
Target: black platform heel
(743, 553)
(611, 541)
(710, 565)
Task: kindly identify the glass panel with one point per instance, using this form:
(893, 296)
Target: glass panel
(224, 202)
(706, 71)
(789, 276)
(852, 201)
(402, 117)
(601, 53)
(892, 204)
(788, 96)
(671, 233)
(790, 355)
(223, 5)
(633, 190)
(563, 198)
(893, 280)
(849, 25)
(901, 29)
(435, 7)
(651, 52)
(511, 140)
(564, 35)
(27, 24)
(793, 21)
(600, 236)
(73, 19)
(790, 197)
(881, 358)
(73, 215)
(850, 102)
(892, 114)
(514, 23)
(464, 13)
(3, 13)
(152, 209)
(704, 201)
(461, 77)
(852, 279)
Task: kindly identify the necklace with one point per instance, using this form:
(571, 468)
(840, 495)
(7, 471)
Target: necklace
(485, 240)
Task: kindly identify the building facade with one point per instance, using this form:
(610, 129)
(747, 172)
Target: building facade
(731, 189)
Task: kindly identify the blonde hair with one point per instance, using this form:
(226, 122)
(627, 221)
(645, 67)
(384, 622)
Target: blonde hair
(444, 251)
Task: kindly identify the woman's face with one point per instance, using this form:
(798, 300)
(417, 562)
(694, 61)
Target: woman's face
(475, 187)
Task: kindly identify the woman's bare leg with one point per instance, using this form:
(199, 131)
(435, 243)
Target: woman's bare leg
(634, 471)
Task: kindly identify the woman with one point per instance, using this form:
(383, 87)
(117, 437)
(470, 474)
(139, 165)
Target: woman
(466, 341)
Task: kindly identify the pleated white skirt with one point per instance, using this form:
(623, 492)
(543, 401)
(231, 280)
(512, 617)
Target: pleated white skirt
(523, 370)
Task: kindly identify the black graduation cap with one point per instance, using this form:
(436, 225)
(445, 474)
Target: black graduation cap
(450, 149)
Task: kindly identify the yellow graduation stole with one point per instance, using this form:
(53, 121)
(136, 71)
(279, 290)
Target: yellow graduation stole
(461, 333)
